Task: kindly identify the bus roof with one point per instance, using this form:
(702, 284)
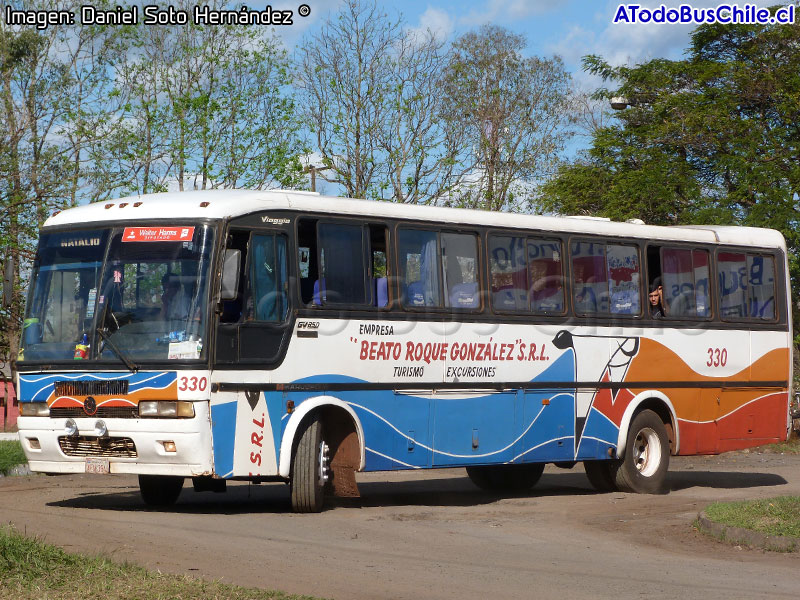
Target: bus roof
(221, 204)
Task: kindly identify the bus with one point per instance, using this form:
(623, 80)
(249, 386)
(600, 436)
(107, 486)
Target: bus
(285, 336)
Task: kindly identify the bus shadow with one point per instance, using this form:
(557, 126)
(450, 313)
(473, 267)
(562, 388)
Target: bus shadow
(681, 480)
(459, 491)
(240, 499)
(441, 492)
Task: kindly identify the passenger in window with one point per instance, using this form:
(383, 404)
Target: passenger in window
(656, 297)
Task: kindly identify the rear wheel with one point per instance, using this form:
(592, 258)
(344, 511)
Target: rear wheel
(506, 478)
(160, 490)
(309, 468)
(643, 469)
(601, 474)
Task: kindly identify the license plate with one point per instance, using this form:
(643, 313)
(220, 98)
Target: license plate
(99, 466)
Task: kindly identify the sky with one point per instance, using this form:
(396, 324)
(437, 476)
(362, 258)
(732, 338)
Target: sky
(568, 28)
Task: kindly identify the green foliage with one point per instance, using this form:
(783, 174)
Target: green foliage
(512, 111)
(95, 112)
(771, 516)
(11, 455)
(712, 138)
(32, 569)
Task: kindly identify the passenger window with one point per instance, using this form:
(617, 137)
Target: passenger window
(624, 279)
(509, 272)
(526, 274)
(761, 277)
(342, 266)
(746, 286)
(590, 290)
(545, 276)
(684, 275)
(460, 270)
(379, 266)
(419, 268)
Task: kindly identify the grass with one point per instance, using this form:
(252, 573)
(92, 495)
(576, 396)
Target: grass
(790, 447)
(771, 516)
(11, 455)
(31, 569)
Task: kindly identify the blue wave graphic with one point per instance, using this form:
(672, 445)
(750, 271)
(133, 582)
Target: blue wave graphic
(407, 431)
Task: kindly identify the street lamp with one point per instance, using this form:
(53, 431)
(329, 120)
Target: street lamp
(620, 103)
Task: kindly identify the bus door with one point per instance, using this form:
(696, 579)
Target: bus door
(251, 330)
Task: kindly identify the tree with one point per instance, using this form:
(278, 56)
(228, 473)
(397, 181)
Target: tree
(712, 138)
(204, 101)
(513, 109)
(371, 100)
(47, 79)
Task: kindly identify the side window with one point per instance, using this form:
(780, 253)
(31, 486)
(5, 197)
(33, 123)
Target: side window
(546, 276)
(527, 274)
(590, 282)
(624, 279)
(268, 278)
(419, 268)
(746, 286)
(509, 273)
(379, 265)
(684, 274)
(761, 277)
(342, 266)
(460, 270)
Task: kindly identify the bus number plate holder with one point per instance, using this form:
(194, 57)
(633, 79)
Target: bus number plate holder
(98, 466)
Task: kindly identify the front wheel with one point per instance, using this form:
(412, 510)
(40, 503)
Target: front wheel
(309, 468)
(160, 490)
(506, 478)
(644, 467)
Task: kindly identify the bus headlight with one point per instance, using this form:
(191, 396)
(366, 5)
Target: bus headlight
(164, 408)
(34, 409)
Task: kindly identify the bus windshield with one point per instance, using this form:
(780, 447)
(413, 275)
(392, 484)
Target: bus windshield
(140, 291)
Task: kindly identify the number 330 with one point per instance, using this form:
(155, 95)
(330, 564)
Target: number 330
(717, 357)
(192, 384)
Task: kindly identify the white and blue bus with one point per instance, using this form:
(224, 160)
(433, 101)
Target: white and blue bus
(284, 336)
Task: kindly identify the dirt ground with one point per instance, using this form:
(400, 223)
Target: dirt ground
(432, 534)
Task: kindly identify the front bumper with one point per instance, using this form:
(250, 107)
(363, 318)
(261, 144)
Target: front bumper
(192, 438)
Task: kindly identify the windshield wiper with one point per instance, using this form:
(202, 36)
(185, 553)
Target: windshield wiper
(132, 366)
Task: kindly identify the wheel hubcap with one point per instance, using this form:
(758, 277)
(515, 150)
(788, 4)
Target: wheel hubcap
(323, 463)
(647, 452)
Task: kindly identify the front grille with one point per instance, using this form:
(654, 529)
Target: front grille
(118, 387)
(82, 445)
(105, 412)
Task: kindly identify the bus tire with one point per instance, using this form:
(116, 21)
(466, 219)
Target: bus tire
(506, 478)
(160, 490)
(643, 469)
(601, 474)
(307, 482)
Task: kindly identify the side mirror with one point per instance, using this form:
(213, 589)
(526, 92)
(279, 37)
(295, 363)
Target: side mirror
(230, 274)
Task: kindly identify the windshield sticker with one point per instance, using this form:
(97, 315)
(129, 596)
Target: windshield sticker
(185, 350)
(305, 254)
(90, 303)
(157, 234)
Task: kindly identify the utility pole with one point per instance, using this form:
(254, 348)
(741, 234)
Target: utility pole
(312, 169)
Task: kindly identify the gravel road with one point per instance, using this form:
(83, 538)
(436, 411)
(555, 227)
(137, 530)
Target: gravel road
(432, 534)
